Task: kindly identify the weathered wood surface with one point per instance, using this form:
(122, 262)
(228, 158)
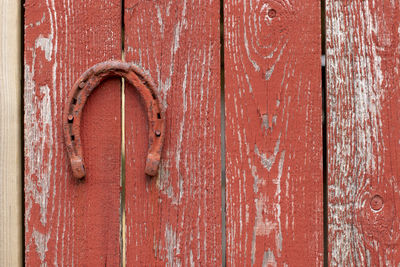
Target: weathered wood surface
(175, 219)
(363, 132)
(71, 223)
(10, 135)
(273, 133)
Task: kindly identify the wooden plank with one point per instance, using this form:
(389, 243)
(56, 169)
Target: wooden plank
(175, 219)
(273, 109)
(363, 132)
(10, 135)
(71, 223)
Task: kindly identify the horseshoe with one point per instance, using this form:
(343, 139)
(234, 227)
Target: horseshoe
(78, 97)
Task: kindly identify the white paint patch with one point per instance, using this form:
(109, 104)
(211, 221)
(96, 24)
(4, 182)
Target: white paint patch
(160, 20)
(41, 241)
(171, 242)
(263, 227)
(46, 45)
(267, 162)
(269, 259)
(38, 144)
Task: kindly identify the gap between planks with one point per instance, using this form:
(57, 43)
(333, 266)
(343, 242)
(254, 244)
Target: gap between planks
(324, 135)
(123, 172)
(223, 143)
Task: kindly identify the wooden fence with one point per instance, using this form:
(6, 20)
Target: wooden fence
(270, 157)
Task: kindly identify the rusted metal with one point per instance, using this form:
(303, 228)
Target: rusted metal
(78, 97)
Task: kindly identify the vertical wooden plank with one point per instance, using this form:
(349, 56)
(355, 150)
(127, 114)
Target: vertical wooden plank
(71, 223)
(175, 219)
(10, 135)
(363, 132)
(273, 133)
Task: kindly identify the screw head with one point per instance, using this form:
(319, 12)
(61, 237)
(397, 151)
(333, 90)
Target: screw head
(157, 132)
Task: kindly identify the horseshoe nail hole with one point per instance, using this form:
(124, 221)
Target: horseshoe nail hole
(74, 101)
(158, 116)
(73, 137)
(81, 85)
(70, 118)
(376, 203)
(271, 13)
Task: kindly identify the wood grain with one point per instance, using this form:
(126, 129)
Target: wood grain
(273, 133)
(363, 132)
(175, 219)
(67, 222)
(10, 135)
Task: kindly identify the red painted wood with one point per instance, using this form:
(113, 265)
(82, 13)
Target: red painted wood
(273, 133)
(67, 222)
(175, 219)
(363, 132)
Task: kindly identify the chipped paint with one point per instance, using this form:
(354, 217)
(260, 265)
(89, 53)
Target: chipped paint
(361, 126)
(54, 207)
(273, 133)
(182, 55)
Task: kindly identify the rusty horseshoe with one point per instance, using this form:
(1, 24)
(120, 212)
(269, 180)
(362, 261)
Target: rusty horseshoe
(78, 97)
